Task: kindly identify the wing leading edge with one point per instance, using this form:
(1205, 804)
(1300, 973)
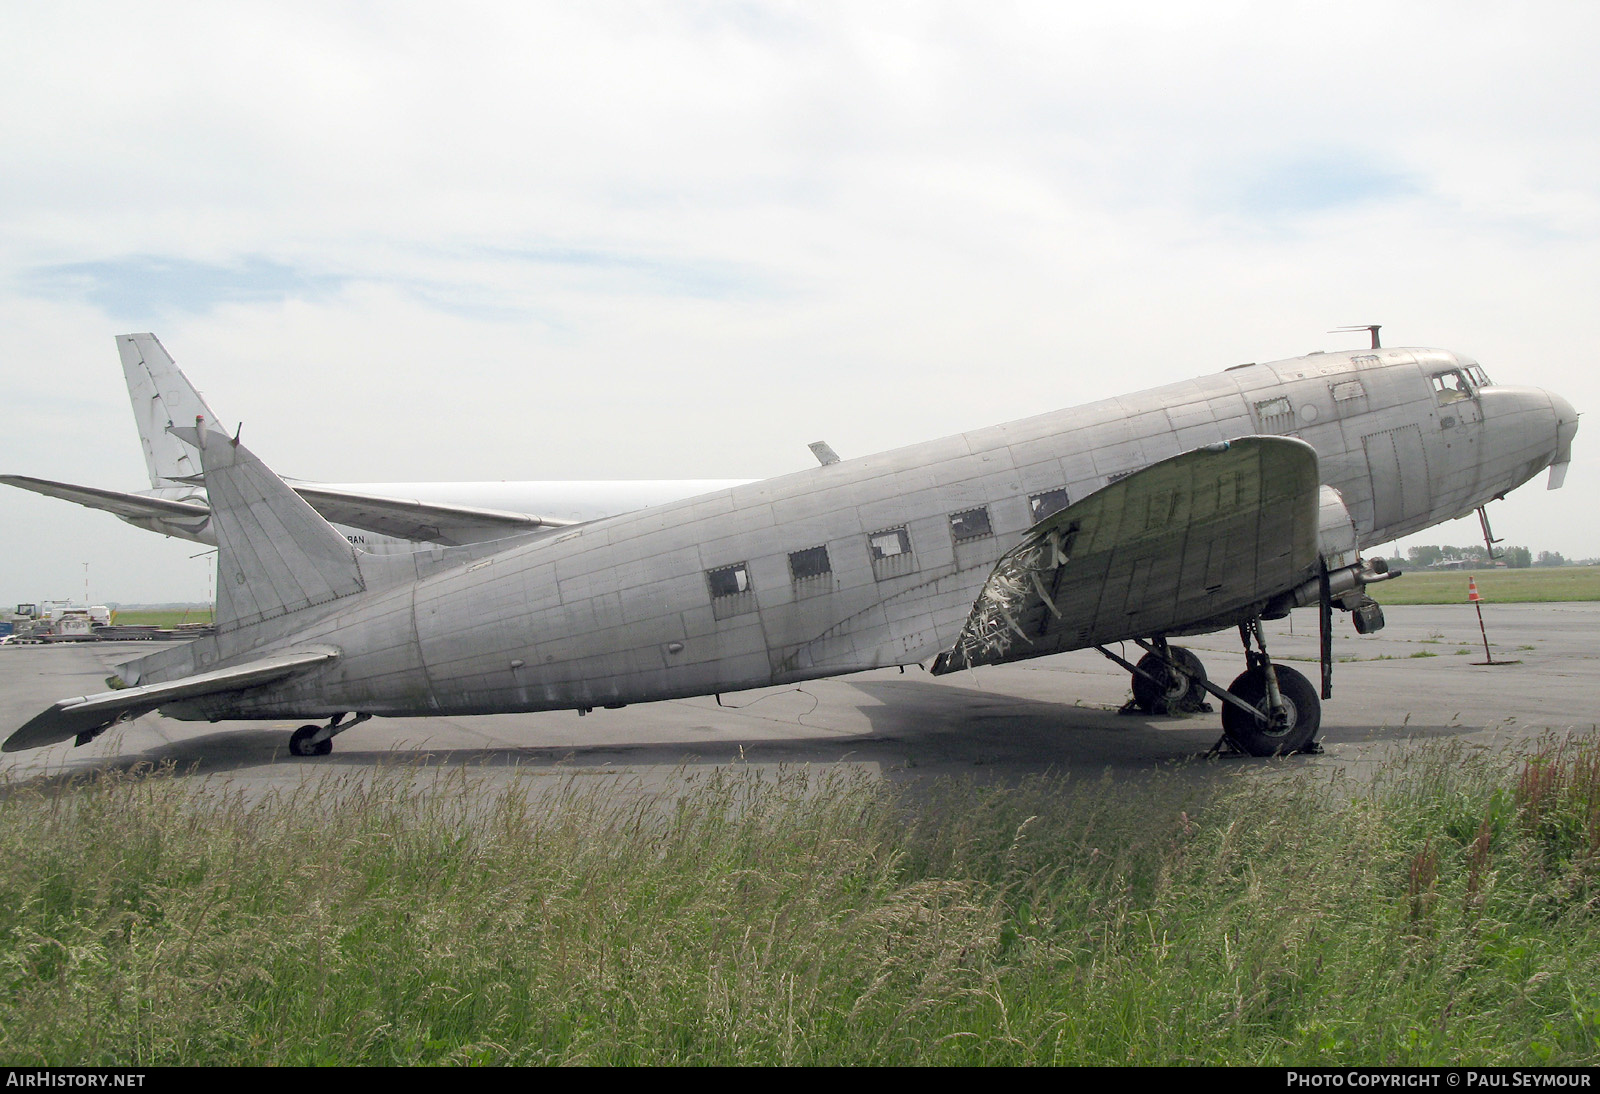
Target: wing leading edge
(408, 518)
(128, 506)
(1183, 546)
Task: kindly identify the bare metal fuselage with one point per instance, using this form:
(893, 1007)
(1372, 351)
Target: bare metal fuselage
(705, 595)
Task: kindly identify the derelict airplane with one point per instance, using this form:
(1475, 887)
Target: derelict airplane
(381, 518)
(1193, 507)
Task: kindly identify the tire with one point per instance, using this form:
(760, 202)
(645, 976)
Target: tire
(300, 743)
(1175, 692)
(1299, 700)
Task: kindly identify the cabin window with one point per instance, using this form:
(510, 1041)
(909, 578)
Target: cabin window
(810, 563)
(1451, 387)
(889, 543)
(1047, 504)
(730, 590)
(1275, 415)
(970, 524)
(891, 553)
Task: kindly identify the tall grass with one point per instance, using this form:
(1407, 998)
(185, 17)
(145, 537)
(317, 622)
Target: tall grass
(1444, 913)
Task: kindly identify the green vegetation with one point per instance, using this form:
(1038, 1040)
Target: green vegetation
(1495, 586)
(1444, 914)
(162, 618)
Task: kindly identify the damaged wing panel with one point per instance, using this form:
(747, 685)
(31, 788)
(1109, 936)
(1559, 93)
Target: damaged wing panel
(1180, 543)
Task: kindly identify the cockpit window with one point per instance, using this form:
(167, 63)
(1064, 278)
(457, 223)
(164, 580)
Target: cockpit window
(1451, 386)
(1479, 377)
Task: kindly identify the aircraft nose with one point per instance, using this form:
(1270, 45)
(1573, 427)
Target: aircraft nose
(1566, 426)
(1566, 429)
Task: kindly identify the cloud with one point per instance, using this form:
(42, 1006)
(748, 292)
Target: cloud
(522, 240)
(142, 286)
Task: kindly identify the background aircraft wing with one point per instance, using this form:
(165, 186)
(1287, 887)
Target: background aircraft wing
(407, 518)
(90, 713)
(132, 506)
(1183, 546)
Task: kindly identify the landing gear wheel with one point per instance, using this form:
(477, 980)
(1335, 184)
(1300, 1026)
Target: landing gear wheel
(1300, 703)
(1170, 692)
(300, 743)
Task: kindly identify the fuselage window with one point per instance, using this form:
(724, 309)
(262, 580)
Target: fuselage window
(810, 563)
(729, 580)
(891, 553)
(970, 524)
(1275, 415)
(1451, 387)
(730, 590)
(890, 543)
(1047, 504)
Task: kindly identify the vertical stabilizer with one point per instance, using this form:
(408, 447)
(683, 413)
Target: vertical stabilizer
(275, 555)
(161, 396)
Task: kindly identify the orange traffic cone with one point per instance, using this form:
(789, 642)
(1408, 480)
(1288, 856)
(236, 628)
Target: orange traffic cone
(1472, 591)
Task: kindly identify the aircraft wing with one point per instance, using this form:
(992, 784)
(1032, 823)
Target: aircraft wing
(87, 714)
(406, 518)
(403, 518)
(1184, 546)
(132, 506)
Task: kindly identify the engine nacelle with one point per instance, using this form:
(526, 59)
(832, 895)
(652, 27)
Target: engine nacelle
(1348, 573)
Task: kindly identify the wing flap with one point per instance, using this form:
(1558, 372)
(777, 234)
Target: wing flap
(88, 714)
(1182, 546)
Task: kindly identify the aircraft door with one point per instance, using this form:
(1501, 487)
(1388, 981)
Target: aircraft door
(1397, 466)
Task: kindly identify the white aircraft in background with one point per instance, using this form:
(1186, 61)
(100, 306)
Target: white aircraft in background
(380, 517)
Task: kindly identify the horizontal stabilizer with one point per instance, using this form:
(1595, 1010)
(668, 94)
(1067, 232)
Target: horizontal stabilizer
(86, 715)
(407, 518)
(1184, 546)
(131, 506)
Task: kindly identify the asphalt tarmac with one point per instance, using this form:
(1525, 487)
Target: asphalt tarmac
(1417, 679)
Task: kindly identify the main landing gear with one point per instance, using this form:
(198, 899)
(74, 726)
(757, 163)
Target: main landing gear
(1268, 710)
(1169, 680)
(318, 740)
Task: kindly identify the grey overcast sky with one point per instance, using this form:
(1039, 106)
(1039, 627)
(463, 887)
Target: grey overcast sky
(627, 240)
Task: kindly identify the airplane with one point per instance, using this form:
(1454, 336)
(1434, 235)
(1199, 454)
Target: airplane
(1198, 506)
(381, 518)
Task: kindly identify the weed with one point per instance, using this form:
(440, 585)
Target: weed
(752, 916)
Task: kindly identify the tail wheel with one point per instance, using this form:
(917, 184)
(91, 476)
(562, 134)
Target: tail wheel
(1170, 692)
(1302, 708)
(300, 743)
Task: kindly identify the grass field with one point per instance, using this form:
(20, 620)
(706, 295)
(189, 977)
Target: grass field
(166, 619)
(1497, 586)
(1445, 914)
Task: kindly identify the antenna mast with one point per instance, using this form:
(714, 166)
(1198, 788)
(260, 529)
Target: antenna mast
(1371, 328)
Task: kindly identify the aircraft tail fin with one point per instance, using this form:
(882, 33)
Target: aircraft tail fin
(275, 555)
(162, 396)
